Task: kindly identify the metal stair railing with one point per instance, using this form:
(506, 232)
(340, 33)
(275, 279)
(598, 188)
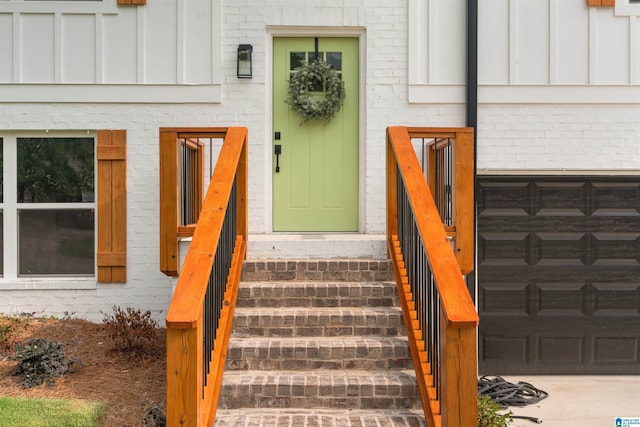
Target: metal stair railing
(439, 313)
(201, 311)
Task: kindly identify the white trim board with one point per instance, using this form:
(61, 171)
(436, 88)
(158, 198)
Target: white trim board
(111, 93)
(527, 94)
(557, 172)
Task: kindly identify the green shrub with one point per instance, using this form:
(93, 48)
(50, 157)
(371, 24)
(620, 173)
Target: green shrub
(131, 330)
(41, 361)
(489, 413)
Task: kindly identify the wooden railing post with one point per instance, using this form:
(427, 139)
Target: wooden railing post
(431, 167)
(243, 190)
(168, 202)
(458, 374)
(392, 182)
(464, 200)
(183, 376)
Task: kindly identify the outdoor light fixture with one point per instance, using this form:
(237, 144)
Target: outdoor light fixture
(245, 66)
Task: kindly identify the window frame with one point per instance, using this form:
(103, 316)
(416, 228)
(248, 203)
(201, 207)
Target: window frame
(10, 206)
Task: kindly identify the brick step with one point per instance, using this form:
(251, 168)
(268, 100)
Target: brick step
(319, 322)
(396, 389)
(354, 270)
(317, 294)
(320, 418)
(319, 353)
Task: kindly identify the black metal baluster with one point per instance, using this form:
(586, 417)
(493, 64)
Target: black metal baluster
(214, 297)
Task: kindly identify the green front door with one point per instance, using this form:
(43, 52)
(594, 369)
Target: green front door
(315, 187)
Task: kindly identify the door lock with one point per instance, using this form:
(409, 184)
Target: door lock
(278, 151)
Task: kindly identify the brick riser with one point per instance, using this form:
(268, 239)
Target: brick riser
(318, 270)
(318, 343)
(319, 294)
(322, 417)
(317, 322)
(314, 353)
(323, 389)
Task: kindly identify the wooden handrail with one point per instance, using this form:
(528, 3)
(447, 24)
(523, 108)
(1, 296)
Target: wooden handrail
(193, 388)
(439, 313)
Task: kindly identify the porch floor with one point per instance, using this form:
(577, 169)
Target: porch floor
(585, 401)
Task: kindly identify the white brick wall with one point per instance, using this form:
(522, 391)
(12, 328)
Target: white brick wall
(510, 137)
(559, 137)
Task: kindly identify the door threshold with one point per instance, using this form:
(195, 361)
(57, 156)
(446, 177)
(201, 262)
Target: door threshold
(316, 245)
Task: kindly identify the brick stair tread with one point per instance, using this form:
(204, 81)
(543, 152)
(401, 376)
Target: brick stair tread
(318, 347)
(255, 311)
(317, 294)
(319, 417)
(315, 283)
(321, 376)
(306, 353)
(318, 321)
(334, 269)
(304, 342)
(302, 283)
(323, 388)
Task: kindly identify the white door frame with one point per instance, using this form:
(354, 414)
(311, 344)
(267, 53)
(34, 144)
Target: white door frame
(280, 31)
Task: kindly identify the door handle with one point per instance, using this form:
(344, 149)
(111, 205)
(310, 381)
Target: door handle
(278, 151)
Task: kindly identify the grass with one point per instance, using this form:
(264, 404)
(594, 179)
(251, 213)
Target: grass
(20, 412)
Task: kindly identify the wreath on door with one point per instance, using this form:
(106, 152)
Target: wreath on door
(301, 85)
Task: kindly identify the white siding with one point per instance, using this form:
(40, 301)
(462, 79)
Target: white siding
(612, 49)
(494, 45)
(529, 39)
(120, 63)
(78, 41)
(570, 58)
(165, 43)
(6, 47)
(36, 53)
(555, 44)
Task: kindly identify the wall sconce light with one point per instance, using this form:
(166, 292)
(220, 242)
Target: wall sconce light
(245, 66)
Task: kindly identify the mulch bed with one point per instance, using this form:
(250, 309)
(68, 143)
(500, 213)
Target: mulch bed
(125, 382)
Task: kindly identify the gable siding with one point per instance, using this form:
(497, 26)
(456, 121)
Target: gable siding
(550, 43)
(167, 42)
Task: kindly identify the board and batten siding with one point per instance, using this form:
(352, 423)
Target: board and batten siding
(538, 51)
(127, 52)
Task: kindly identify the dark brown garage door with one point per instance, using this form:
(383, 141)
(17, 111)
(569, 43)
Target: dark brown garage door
(559, 275)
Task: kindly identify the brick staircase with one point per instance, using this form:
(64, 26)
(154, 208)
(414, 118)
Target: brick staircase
(318, 343)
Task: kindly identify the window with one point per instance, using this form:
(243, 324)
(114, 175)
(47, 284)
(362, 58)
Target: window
(48, 206)
(49, 211)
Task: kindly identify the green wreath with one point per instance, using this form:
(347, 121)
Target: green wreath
(301, 86)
